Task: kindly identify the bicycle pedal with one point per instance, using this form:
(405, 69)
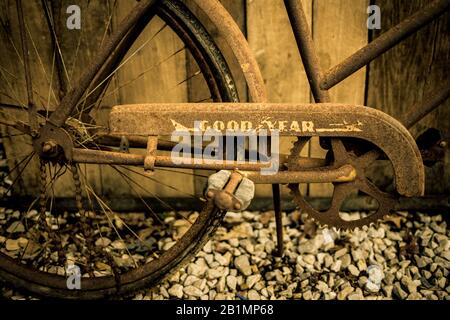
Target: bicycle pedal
(230, 190)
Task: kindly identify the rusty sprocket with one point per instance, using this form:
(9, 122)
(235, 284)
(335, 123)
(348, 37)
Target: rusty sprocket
(338, 156)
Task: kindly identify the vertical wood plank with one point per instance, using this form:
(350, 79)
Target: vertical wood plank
(339, 29)
(400, 77)
(271, 38)
(154, 73)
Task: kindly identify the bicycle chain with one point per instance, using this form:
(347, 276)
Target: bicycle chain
(42, 210)
(83, 216)
(87, 234)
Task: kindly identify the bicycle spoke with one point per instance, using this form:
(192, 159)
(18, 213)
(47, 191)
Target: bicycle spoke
(182, 172)
(140, 75)
(50, 23)
(18, 164)
(11, 41)
(166, 185)
(149, 192)
(99, 85)
(11, 135)
(15, 98)
(204, 100)
(153, 195)
(104, 206)
(43, 68)
(108, 23)
(125, 177)
(50, 90)
(14, 95)
(33, 122)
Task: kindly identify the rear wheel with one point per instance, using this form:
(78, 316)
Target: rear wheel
(115, 253)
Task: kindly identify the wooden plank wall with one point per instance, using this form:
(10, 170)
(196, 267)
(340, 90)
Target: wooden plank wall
(155, 74)
(338, 28)
(400, 77)
(272, 41)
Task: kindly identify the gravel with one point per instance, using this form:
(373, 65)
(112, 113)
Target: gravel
(407, 256)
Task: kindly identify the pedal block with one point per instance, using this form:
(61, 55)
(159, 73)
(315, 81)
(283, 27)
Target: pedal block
(230, 191)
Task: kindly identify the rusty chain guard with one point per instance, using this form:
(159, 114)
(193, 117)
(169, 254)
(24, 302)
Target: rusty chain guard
(326, 120)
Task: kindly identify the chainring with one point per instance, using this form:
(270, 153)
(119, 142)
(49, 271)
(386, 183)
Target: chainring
(339, 155)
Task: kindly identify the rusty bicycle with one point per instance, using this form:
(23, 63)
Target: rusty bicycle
(68, 137)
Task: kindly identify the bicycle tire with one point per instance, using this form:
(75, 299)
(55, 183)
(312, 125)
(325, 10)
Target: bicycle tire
(176, 14)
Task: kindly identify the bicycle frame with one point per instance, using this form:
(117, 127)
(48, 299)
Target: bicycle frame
(332, 121)
(320, 82)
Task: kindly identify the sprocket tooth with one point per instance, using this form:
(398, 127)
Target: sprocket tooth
(320, 224)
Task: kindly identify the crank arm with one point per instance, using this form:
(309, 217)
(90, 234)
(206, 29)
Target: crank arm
(306, 120)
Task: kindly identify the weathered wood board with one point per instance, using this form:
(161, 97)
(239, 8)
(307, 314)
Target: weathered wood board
(398, 79)
(392, 83)
(339, 29)
(272, 41)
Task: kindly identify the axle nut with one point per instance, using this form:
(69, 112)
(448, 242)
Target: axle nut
(49, 147)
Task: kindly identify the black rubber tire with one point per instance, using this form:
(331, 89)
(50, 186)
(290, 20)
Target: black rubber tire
(175, 14)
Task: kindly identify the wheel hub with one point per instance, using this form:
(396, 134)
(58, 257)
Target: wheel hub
(53, 143)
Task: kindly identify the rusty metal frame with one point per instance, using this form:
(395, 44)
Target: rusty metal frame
(226, 26)
(344, 173)
(383, 43)
(229, 30)
(406, 161)
(321, 82)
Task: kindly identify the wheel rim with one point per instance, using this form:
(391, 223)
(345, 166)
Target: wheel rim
(55, 285)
